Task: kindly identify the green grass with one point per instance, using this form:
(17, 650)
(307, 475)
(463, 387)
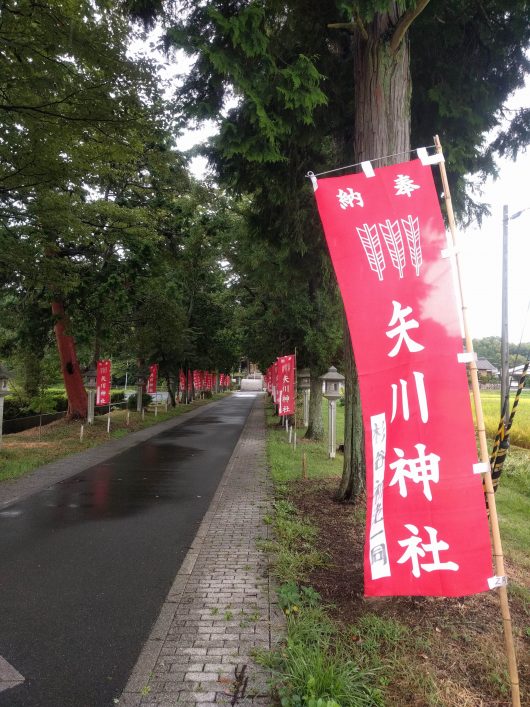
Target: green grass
(520, 432)
(315, 667)
(513, 505)
(285, 461)
(293, 549)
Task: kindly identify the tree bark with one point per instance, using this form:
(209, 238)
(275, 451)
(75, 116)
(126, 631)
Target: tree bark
(73, 380)
(170, 390)
(315, 429)
(382, 87)
(353, 482)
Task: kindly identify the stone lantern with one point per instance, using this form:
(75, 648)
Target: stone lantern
(141, 380)
(304, 384)
(90, 384)
(332, 380)
(4, 389)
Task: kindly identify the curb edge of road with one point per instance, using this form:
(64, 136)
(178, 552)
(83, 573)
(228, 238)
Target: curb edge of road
(14, 490)
(141, 673)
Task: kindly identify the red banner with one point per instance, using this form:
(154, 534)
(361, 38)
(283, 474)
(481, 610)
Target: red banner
(426, 526)
(153, 378)
(103, 382)
(182, 381)
(286, 397)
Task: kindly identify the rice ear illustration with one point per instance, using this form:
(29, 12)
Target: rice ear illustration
(372, 247)
(412, 231)
(394, 243)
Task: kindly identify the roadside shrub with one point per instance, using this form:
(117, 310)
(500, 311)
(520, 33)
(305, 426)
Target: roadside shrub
(12, 408)
(146, 401)
(45, 403)
(118, 396)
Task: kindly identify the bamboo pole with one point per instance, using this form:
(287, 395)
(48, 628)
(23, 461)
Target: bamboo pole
(484, 455)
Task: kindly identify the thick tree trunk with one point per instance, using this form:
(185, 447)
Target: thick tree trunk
(315, 429)
(382, 127)
(170, 390)
(353, 482)
(73, 380)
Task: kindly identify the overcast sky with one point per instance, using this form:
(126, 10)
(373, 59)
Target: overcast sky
(483, 266)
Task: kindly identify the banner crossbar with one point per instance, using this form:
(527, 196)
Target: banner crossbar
(375, 159)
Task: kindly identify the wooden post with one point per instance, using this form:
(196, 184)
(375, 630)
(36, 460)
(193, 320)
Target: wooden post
(304, 466)
(484, 455)
(81, 433)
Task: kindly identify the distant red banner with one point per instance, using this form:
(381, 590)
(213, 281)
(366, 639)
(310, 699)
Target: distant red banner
(103, 382)
(286, 397)
(182, 381)
(426, 527)
(153, 378)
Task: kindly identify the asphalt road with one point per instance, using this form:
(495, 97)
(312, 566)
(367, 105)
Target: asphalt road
(86, 564)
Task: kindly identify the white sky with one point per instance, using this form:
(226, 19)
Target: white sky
(483, 250)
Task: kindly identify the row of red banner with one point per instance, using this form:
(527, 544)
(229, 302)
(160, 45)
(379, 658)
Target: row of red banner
(426, 523)
(280, 383)
(198, 380)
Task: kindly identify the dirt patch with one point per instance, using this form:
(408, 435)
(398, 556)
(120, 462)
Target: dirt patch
(456, 656)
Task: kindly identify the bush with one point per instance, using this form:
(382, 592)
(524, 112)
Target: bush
(45, 403)
(146, 401)
(118, 396)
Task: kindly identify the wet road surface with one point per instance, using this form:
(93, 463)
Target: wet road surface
(86, 564)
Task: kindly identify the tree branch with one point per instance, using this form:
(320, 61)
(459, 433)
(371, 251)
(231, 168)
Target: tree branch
(404, 23)
(356, 23)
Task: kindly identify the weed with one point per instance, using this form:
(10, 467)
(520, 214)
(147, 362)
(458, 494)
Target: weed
(214, 611)
(229, 615)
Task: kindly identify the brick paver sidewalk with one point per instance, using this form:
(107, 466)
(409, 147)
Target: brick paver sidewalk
(221, 605)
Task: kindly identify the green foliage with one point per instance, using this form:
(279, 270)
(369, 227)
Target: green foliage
(314, 666)
(133, 399)
(46, 402)
(490, 39)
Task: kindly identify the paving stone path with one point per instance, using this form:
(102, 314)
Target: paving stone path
(221, 606)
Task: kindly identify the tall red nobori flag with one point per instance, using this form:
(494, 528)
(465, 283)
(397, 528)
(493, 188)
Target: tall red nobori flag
(286, 397)
(103, 382)
(426, 527)
(153, 378)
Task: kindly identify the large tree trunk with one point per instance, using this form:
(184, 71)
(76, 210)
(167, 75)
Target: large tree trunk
(73, 380)
(315, 429)
(382, 127)
(170, 390)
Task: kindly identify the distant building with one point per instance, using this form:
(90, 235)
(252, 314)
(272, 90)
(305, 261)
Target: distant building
(486, 370)
(515, 375)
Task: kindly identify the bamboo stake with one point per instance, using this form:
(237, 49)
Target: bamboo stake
(484, 455)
